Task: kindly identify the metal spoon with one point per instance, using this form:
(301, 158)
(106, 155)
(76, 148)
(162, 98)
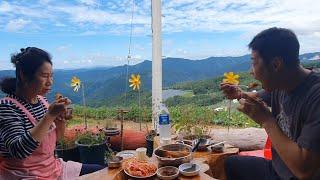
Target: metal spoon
(217, 144)
(200, 140)
(191, 168)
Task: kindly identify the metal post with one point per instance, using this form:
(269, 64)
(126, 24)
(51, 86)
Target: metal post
(122, 118)
(122, 112)
(84, 106)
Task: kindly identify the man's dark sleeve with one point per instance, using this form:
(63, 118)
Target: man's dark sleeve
(310, 133)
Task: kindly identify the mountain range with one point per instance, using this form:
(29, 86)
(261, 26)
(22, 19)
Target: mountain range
(105, 83)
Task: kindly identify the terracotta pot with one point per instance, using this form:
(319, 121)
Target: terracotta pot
(132, 139)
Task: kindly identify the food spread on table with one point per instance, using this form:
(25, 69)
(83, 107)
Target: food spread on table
(173, 154)
(139, 168)
(168, 172)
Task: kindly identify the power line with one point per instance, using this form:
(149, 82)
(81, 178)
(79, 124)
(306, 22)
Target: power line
(129, 54)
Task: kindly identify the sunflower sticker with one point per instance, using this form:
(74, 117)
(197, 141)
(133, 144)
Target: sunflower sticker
(75, 83)
(135, 82)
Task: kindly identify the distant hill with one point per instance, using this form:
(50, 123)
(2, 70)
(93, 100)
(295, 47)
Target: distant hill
(102, 85)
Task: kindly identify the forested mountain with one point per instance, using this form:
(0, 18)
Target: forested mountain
(105, 86)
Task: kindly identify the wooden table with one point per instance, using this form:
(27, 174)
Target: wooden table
(215, 160)
(117, 174)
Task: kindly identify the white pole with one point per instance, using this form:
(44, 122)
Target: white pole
(156, 61)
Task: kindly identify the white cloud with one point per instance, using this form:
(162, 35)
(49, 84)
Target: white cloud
(15, 9)
(240, 15)
(64, 48)
(96, 17)
(180, 15)
(84, 14)
(90, 2)
(5, 7)
(136, 57)
(95, 60)
(58, 24)
(316, 57)
(88, 33)
(182, 52)
(5, 64)
(204, 53)
(16, 25)
(44, 1)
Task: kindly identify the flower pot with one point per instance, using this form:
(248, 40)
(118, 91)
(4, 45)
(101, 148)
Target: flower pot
(111, 131)
(132, 139)
(71, 154)
(92, 154)
(149, 144)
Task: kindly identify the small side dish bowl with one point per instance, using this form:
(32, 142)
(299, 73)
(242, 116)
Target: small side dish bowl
(115, 162)
(168, 172)
(183, 169)
(218, 148)
(127, 154)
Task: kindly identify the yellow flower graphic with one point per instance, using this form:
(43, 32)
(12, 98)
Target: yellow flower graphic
(75, 83)
(231, 78)
(135, 81)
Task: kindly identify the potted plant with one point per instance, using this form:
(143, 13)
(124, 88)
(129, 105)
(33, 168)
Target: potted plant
(66, 147)
(193, 123)
(92, 146)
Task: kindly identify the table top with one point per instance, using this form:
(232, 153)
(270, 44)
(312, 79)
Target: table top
(214, 160)
(212, 164)
(117, 174)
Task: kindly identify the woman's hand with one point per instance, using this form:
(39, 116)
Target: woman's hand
(60, 123)
(55, 109)
(62, 118)
(59, 108)
(68, 114)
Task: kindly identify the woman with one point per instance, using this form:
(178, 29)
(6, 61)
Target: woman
(29, 126)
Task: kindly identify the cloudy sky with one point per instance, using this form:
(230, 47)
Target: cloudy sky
(89, 33)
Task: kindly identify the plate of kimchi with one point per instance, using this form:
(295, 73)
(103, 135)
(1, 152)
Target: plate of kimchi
(139, 169)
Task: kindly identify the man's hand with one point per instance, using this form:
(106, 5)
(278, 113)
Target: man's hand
(231, 91)
(255, 108)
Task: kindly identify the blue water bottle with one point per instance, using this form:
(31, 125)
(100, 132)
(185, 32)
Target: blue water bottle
(164, 123)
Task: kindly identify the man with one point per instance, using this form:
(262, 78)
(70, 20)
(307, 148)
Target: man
(293, 124)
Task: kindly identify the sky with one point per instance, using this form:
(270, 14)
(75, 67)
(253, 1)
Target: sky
(96, 33)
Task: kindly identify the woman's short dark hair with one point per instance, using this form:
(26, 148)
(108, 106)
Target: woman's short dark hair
(27, 62)
(277, 42)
